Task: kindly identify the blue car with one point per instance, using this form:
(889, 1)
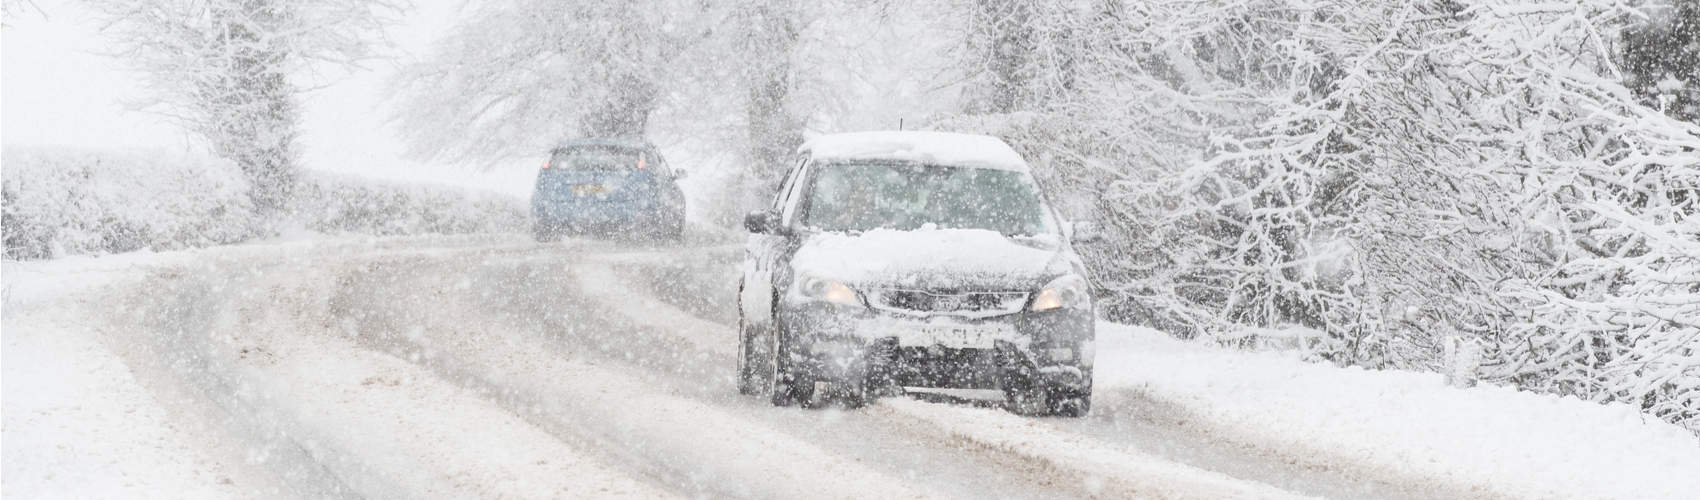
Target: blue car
(607, 187)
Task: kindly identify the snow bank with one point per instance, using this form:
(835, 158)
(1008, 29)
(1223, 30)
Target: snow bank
(1523, 444)
(61, 202)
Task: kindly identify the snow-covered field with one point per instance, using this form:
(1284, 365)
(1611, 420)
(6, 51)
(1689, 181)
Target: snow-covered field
(490, 366)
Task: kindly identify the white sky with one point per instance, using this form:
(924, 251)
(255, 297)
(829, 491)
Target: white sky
(56, 88)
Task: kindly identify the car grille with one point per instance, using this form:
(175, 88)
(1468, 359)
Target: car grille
(923, 302)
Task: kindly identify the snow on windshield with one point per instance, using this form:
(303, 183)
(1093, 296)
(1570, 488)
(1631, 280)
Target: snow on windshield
(859, 196)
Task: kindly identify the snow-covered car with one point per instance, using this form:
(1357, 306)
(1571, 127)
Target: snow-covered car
(913, 259)
(607, 187)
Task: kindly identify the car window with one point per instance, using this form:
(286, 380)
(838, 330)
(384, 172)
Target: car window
(794, 192)
(778, 200)
(856, 197)
(594, 158)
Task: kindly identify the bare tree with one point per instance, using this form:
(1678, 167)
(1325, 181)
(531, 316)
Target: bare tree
(521, 74)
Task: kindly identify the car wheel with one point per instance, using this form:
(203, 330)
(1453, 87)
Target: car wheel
(676, 233)
(790, 384)
(1068, 403)
(850, 393)
(746, 362)
(1026, 400)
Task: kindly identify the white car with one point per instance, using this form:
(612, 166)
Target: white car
(913, 259)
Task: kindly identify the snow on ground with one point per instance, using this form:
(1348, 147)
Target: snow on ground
(414, 435)
(1524, 444)
(1097, 463)
(78, 425)
(384, 399)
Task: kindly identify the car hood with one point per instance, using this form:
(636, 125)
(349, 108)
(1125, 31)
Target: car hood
(933, 259)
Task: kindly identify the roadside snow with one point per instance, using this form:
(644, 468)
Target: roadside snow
(78, 425)
(1514, 443)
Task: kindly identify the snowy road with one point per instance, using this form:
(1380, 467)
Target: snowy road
(496, 367)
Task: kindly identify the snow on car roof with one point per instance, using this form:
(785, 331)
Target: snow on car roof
(944, 148)
(621, 142)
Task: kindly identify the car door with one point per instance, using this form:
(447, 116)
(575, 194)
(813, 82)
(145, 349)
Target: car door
(762, 258)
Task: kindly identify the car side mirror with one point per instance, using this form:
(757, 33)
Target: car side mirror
(762, 222)
(1086, 231)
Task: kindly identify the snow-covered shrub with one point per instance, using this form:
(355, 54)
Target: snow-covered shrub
(71, 201)
(61, 202)
(331, 203)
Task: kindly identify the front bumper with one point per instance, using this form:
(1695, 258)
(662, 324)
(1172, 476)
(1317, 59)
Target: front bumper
(1053, 348)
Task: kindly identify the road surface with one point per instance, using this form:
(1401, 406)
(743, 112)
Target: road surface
(499, 367)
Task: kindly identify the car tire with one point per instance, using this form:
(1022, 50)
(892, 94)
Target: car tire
(1025, 401)
(746, 363)
(1068, 403)
(789, 385)
(850, 394)
(676, 232)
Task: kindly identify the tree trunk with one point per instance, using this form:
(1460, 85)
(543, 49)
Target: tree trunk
(1003, 37)
(772, 129)
(251, 106)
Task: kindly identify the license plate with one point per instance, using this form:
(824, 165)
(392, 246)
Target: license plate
(952, 336)
(589, 189)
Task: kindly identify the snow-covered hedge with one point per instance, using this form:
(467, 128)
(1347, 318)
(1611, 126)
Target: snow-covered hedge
(331, 203)
(60, 202)
(77, 201)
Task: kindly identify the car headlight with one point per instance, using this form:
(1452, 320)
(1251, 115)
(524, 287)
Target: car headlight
(828, 290)
(1068, 291)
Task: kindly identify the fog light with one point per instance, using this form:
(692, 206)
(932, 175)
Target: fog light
(1060, 354)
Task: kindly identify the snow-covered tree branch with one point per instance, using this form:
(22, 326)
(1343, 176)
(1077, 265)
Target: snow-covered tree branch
(1390, 175)
(226, 69)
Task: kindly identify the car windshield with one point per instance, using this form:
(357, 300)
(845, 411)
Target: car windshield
(595, 158)
(872, 195)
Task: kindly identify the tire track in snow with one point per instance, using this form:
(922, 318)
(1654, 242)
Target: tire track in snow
(1078, 464)
(1122, 423)
(665, 362)
(558, 337)
(693, 448)
(247, 342)
(164, 340)
(1106, 470)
